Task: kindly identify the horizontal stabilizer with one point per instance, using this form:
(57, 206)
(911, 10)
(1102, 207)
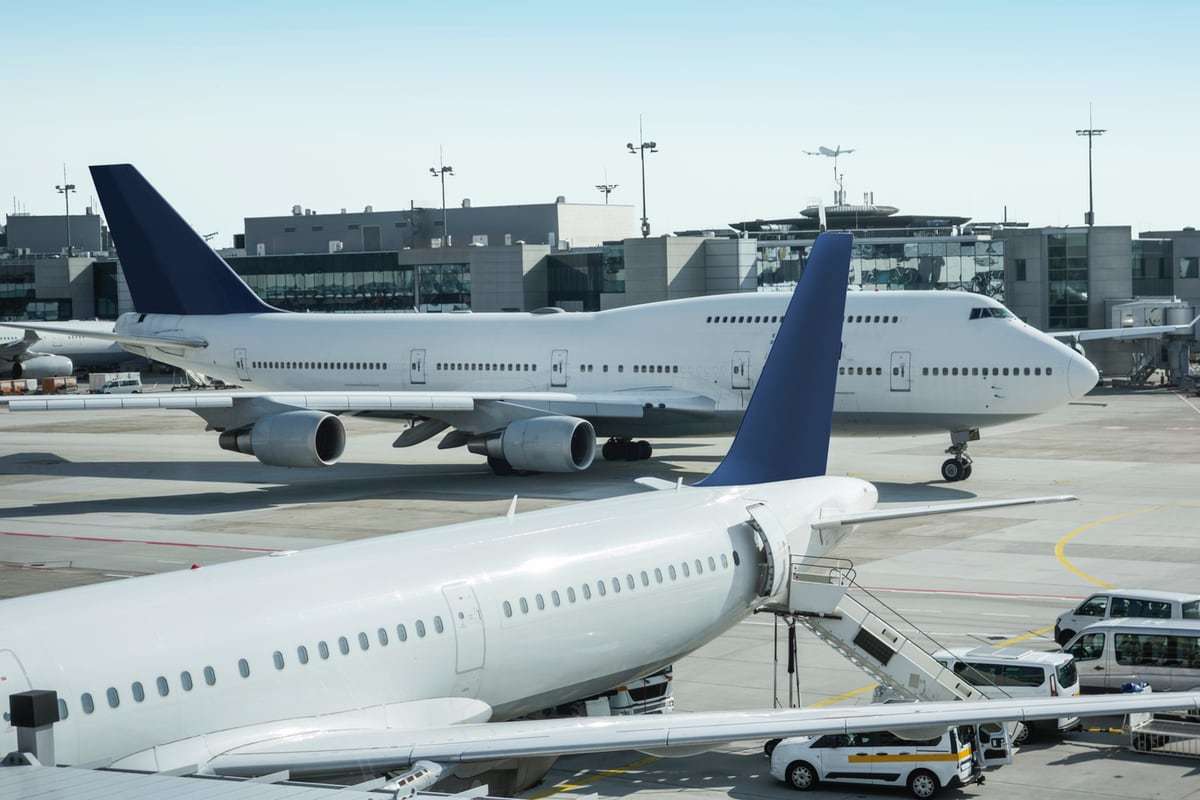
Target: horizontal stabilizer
(111, 336)
(836, 520)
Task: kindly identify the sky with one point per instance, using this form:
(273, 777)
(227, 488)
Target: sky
(236, 109)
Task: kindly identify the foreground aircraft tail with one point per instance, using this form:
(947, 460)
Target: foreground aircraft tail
(785, 431)
(169, 268)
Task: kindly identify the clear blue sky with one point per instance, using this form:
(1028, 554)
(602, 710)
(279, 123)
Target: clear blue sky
(243, 109)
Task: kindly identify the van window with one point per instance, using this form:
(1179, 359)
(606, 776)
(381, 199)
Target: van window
(1067, 674)
(1000, 674)
(1156, 650)
(1093, 606)
(888, 739)
(1130, 607)
(1191, 610)
(1089, 647)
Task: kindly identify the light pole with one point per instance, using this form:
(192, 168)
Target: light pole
(606, 187)
(640, 150)
(441, 171)
(65, 190)
(1091, 133)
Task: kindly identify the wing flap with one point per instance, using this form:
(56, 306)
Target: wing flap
(836, 520)
(120, 338)
(375, 749)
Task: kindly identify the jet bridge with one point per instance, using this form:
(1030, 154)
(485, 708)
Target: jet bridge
(823, 596)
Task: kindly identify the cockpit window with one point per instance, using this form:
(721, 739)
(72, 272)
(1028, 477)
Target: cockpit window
(988, 311)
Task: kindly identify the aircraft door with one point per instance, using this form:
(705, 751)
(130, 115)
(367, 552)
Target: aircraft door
(12, 674)
(558, 368)
(416, 367)
(470, 642)
(741, 369)
(901, 379)
(239, 361)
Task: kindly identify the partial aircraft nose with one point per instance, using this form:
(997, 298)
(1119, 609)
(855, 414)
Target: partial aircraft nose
(1082, 375)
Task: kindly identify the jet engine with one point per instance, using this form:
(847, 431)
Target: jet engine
(43, 367)
(541, 444)
(290, 439)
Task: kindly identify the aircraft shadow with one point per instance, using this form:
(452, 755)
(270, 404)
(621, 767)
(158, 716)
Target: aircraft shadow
(935, 492)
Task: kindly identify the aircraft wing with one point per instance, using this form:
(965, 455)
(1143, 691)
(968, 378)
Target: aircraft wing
(384, 749)
(164, 340)
(18, 347)
(1141, 332)
(835, 520)
(500, 407)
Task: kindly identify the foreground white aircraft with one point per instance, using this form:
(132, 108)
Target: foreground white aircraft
(532, 391)
(58, 353)
(421, 647)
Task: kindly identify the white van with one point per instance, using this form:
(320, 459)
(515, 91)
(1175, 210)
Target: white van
(1164, 653)
(1131, 603)
(1017, 672)
(879, 759)
(115, 382)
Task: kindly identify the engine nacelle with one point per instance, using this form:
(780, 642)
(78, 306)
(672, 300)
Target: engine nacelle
(43, 367)
(290, 439)
(542, 444)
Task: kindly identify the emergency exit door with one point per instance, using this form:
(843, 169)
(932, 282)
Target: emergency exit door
(901, 379)
(239, 361)
(416, 366)
(558, 368)
(467, 619)
(741, 369)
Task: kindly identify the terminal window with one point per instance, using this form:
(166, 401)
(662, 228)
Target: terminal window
(1189, 267)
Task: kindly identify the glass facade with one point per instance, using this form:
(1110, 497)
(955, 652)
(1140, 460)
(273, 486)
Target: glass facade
(332, 282)
(16, 289)
(1152, 267)
(576, 279)
(973, 265)
(444, 287)
(104, 289)
(1067, 273)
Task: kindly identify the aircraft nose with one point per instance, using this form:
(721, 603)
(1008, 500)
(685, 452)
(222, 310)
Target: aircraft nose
(1082, 376)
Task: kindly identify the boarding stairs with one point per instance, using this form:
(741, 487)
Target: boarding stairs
(823, 596)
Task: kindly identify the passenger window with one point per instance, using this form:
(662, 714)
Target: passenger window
(555, 598)
(1191, 610)
(1027, 370)
(421, 627)
(724, 561)
(277, 657)
(524, 605)
(437, 624)
(541, 602)
(62, 709)
(645, 578)
(1037, 370)
(924, 370)
(1049, 370)
(243, 668)
(1089, 647)
(671, 571)
(1006, 370)
(381, 634)
(737, 560)
(402, 632)
(687, 573)
(114, 699)
(1093, 606)
(699, 567)
(210, 676)
(712, 564)
(587, 592)
(185, 680)
(629, 581)
(139, 694)
(658, 575)
(302, 654)
(600, 588)
(164, 688)
(323, 650)
(86, 702)
(570, 594)
(616, 584)
(507, 609)
(344, 645)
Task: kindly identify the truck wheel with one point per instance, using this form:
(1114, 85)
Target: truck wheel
(801, 776)
(923, 784)
(770, 745)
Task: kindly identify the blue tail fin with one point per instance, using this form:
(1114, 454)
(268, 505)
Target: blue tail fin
(169, 268)
(785, 431)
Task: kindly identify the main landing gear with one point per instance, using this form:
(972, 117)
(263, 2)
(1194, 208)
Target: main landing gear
(626, 450)
(958, 466)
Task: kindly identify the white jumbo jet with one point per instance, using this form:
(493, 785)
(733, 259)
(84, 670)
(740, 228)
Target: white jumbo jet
(532, 391)
(58, 353)
(417, 651)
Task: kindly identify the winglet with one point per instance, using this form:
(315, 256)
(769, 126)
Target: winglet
(169, 268)
(785, 431)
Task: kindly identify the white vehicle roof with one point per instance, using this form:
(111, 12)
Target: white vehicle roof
(1147, 625)
(1006, 655)
(1150, 594)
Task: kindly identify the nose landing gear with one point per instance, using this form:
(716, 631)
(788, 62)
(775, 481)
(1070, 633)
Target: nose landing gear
(958, 466)
(626, 450)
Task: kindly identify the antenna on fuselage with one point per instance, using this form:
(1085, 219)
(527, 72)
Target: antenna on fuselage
(512, 508)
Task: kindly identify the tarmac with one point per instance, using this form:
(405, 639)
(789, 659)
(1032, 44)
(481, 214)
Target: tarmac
(88, 497)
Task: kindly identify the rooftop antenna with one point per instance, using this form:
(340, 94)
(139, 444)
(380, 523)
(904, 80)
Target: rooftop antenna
(66, 189)
(1091, 133)
(833, 152)
(606, 187)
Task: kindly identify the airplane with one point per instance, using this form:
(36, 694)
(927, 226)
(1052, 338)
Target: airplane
(825, 151)
(422, 650)
(532, 391)
(58, 353)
